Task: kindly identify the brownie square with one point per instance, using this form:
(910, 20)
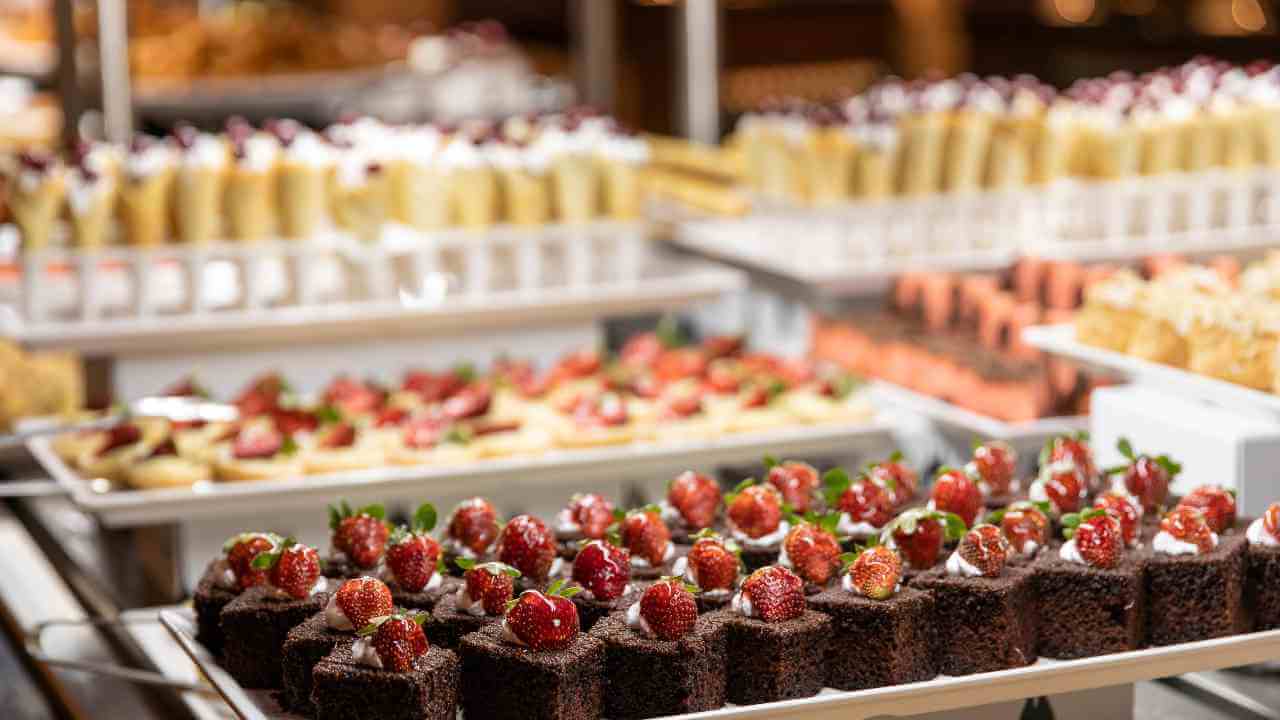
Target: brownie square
(1197, 597)
(426, 599)
(982, 624)
(591, 610)
(256, 625)
(1091, 611)
(306, 645)
(877, 642)
(501, 681)
(347, 690)
(776, 661)
(647, 677)
(448, 624)
(208, 601)
(1262, 592)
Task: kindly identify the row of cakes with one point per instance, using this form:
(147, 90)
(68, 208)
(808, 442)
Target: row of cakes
(651, 394)
(742, 596)
(1191, 317)
(967, 133)
(286, 180)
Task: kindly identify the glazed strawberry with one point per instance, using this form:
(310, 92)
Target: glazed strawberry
(434, 388)
(641, 350)
(994, 464)
(775, 594)
(591, 512)
(759, 394)
(918, 534)
(544, 621)
(985, 548)
(721, 346)
(895, 476)
(1074, 449)
(1218, 506)
(713, 563)
(1146, 478)
(472, 401)
(1271, 520)
(795, 371)
(796, 481)
(1124, 508)
(679, 364)
(812, 550)
(257, 442)
(527, 545)
(424, 433)
(261, 396)
(683, 404)
(491, 584)
(578, 364)
(875, 573)
(668, 609)
(723, 378)
(398, 640)
(696, 497)
(955, 492)
(605, 410)
(336, 436)
(645, 535)
(241, 550)
(359, 534)
(1025, 526)
(391, 416)
(1188, 524)
(864, 501)
(294, 567)
(1098, 537)
(118, 436)
(353, 397)
(474, 525)
(290, 421)
(603, 569)
(413, 556)
(364, 599)
(755, 510)
(1062, 485)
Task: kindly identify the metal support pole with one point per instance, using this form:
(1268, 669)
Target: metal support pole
(113, 61)
(698, 27)
(595, 24)
(67, 75)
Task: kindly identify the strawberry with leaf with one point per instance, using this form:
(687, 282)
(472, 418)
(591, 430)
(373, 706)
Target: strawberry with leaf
(487, 586)
(1094, 538)
(1217, 504)
(544, 620)
(755, 510)
(811, 548)
(896, 477)
(643, 533)
(919, 534)
(359, 534)
(1025, 525)
(713, 563)
(864, 507)
(874, 572)
(291, 567)
(1145, 477)
(796, 481)
(413, 555)
(397, 640)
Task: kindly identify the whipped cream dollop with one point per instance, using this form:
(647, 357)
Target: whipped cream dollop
(1070, 552)
(334, 617)
(309, 149)
(960, 567)
(510, 636)
(846, 583)
(636, 621)
(1029, 547)
(741, 604)
(859, 530)
(643, 563)
(1257, 535)
(363, 653)
(224, 577)
(1167, 544)
(258, 153)
(683, 568)
(467, 604)
(207, 152)
(149, 161)
(763, 541)
(322, 584)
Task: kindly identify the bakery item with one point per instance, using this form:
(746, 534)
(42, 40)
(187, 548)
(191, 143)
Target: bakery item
(603, 572)
(249, 203)
(527, 544)
(361, 193)
(479, 600)
(471, 533)
(224, 579)
(524, 181)
(473, 183)
(918, 535)
(36, 196)
(575, 177)
(1262, 591)
(812, 551)
(359, 540)
(164, 467)
(420, 191)
(1195, 581)
(713, 566)
(755, 522)
(622, 155)
(258, 452)
(1110, 315)
(340, 447)
(692, 504)
(92, 188)
(304, 646)
(863, 507)
(776, 645)
(413, 565)
(648, 542)
(201, 175)
(1026, 526)
(586, 517)
(303, 176)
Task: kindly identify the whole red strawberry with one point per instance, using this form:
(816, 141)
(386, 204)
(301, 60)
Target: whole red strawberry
(645, 535)
(398, 640)
(1271, 520)
(257, 442)
(118, 436)
(474, 525)
(1062, 485)
(1098, 537)
(1147, 478)
(680, 363)
(668, 609)
(1189, 525)
(796, 481)
(336, 436)
(875, 573)
(1124, 508)
(696, 497)
(994, 464)
(490, 584)
(353, 397)
(527, 545)
(812, 550)
(774, 593)
(1075, 450)
(603, 569)
(591, 512)
(544, 621)
(261, 396)
(955, 492)
(985, 548)
(896, 477)
(863, 500)
(241, 550)
(1218, 506)
(918, 534)
(755, 510)
(713, 564)
(360, 534)
(294, 567)
(1024, 525)
(413, 555)
(364, 599)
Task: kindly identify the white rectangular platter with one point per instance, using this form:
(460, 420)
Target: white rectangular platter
(1045, 677)
(983, 427)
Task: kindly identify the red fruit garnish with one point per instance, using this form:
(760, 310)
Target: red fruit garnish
(544, 621)
(241, 550)
(472, 401)
(797, 481)
(1123, 507)
(295, 570)
(360, 534)
(338, 435)
(1062, 485)
(720, 346)
(424, 433)
(603, 569)
(399, 641)
(412, 557)
(681, 404)
(918, 534)
(1188, 524)
(668, 608)
(755, 510)
(646, 536)
(985, 548)
(433, 388)
(1023, 523)
(364, 599)
(186, 387)
(696, 497)
(605, 410)
(795, 371)
(866, 502)
(723, 378)
(579, 364)
(813, 552)
(257, 443)
(955, 492)
(994, 464)
(1074, 450)
(776, 594)
(391, 416)
(1146, 479)
(756, 396)
(1099, 539)
(1218, 506)
(1271, 520)
(679, 363)
(474, 525)
(352, 396)
(591, 512)
(527, 545)
(904, 483)
(491, 584)
(261, 396)
(292, 421)
(641, 350)
(876, 572)
(119, 436)
(713, 564)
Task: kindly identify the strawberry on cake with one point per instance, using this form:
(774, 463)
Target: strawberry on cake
(776, 645)
(955, 491)
(1146, 478)
(713, 565)
(602, 571)
(812, 551)
(230, 574)
(863, 506)
(472, 532)
(798, 482)
(648, 541)
(480, 600)
(526, 543)
(358, 541)
(693, 504)
(995, 467)
(1073, 449)
(586, 517)
(1195, 580)
(1263, 590)
(895, 477)
(756, 522)
(413, 567)
(918, 535)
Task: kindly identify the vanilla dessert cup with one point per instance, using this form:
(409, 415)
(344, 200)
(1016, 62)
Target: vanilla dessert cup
(969, 139)
(306, 164)
(420, 189)
(831, 156)
(876, 164)
(361, 200)
(202, 161)
(473, 182)
(622, 157)
(250, 199)
(575, 178)
(145, 192)
(91, 196)
(36, 199)
(524, 176)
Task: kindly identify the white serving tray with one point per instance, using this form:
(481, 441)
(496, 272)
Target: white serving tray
(1061, 340)
(1046, 677)
(982, 427)
(126, 508)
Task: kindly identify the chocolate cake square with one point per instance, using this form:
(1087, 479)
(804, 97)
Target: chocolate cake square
(347, 690)
(1090, 610)
(426, 599)
(1197, 597)
(448, 624)
(209, 599)
(754, 558)
(306, 645)
(1262, 592)
(591, 609)
(646, 677)
(875, 643)
(502, 681)
(255, 626)
(982, 624)
(776, 661)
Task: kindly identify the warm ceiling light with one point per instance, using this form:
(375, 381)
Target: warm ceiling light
(1249, 15)
(1074, 11)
